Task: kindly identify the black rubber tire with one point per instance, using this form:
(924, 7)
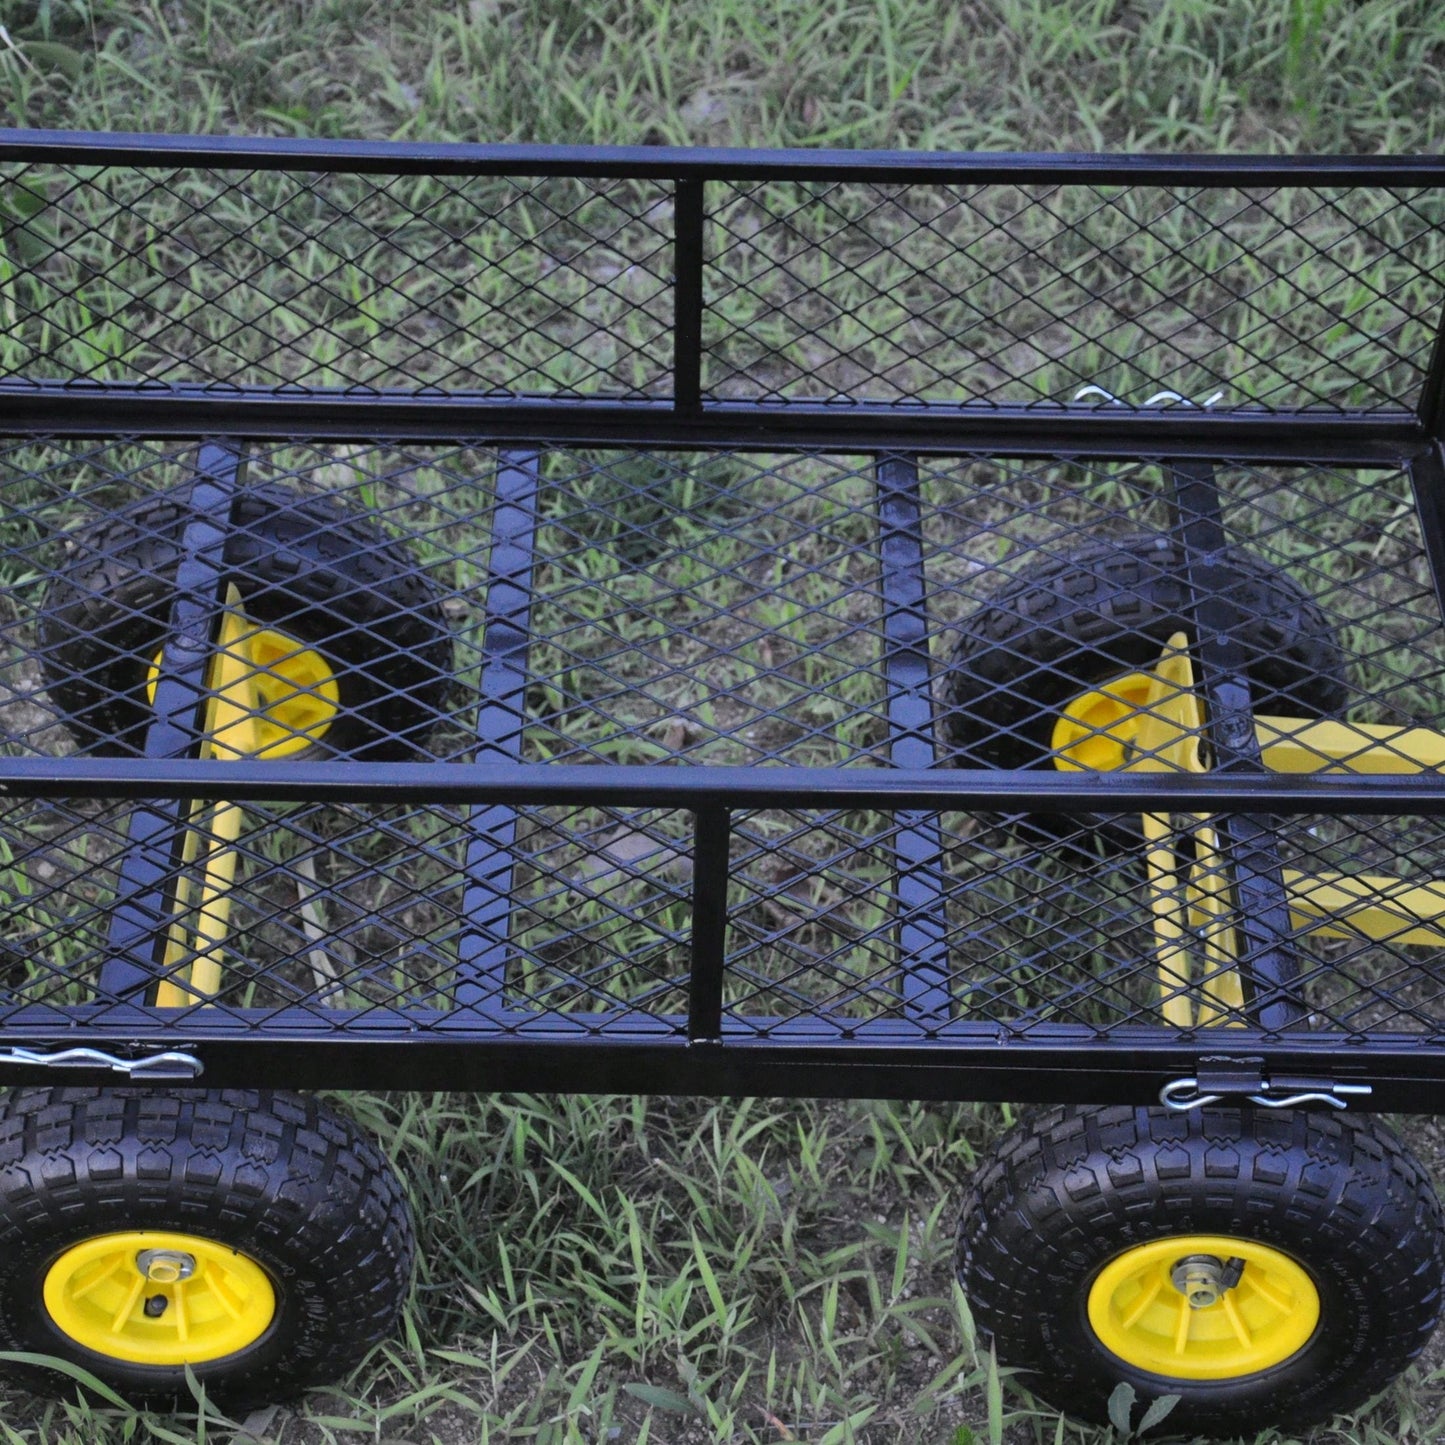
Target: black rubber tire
(281, 1178)
(1103, 610)
(1072, 1187)
(306, 565)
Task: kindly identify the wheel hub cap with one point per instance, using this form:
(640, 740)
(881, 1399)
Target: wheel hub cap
(1203, 1307)
(165, 1266)
(152, 1297)
(1202, 1279)
(271, 695)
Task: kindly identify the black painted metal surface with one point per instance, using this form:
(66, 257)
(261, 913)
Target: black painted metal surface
(700, 468)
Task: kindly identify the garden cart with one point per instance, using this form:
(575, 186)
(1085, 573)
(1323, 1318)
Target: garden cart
(708, 622)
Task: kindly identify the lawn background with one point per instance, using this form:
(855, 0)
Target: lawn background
(625, 1269)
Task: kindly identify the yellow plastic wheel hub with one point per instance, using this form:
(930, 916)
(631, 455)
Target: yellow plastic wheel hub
(1140, 1312)
(153, 1297)
(1098, 729)
(272, 696)
(1145, 721)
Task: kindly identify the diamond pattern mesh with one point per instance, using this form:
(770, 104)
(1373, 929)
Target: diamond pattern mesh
(1313, 298)
(299, 283)
(598, 607)
(1019, 295)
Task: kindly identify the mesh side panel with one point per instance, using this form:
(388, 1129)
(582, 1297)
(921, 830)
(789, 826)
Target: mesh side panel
(363, 910)
(298, 284)
(601, 607)
(347, 914)
(713, 609)
(1019, 295)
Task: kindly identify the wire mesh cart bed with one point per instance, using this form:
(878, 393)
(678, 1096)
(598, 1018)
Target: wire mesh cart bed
(949, 627)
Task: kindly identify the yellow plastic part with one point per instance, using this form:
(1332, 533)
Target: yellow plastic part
(1154, 722)
(1301, 745)
(1146, 722)
(1139, 1316)
(199, 925)
(100, 1295)
(1367, 905)
(268, 697)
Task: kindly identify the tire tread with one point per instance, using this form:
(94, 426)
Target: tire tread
(279, 1176)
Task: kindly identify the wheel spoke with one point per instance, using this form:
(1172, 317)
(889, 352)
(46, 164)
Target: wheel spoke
(178, 1310)
(1265, 1293)
(221, 1289)
(117, 1324)
(1145, 1300)
(109, 1268)
(1236, 1321)
(1181, 1330)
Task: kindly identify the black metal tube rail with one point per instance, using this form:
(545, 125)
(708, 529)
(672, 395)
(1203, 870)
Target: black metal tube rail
(154, 829)
(704, 163)
(979, 1064)
(88, 409)
(640, 785)
(1249, 844)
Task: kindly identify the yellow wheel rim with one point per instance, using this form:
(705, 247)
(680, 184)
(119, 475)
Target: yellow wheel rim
(1140, 1315)
(153, 1297)
(272, 695)
(1096, 730)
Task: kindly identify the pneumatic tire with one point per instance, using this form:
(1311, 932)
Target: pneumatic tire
(1104, 610)
(1083, 1212)
(307, 566)
(292, 1225)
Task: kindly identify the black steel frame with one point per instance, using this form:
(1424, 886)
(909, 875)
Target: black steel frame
(481, 1044)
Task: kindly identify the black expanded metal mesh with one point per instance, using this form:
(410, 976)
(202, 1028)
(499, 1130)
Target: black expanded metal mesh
(298, 283)
(1270, 298)
(600, 607)
(837, 606)
(1273, 298)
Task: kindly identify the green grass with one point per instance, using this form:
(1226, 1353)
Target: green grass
(1304, 75)
(677, 1270)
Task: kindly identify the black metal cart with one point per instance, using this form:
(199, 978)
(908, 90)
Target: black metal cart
(951, 627)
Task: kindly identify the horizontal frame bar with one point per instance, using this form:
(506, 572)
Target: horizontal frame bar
(124, 148)
(134, 1028)
(1070, 1063)
(55, 409)
(643, 786)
